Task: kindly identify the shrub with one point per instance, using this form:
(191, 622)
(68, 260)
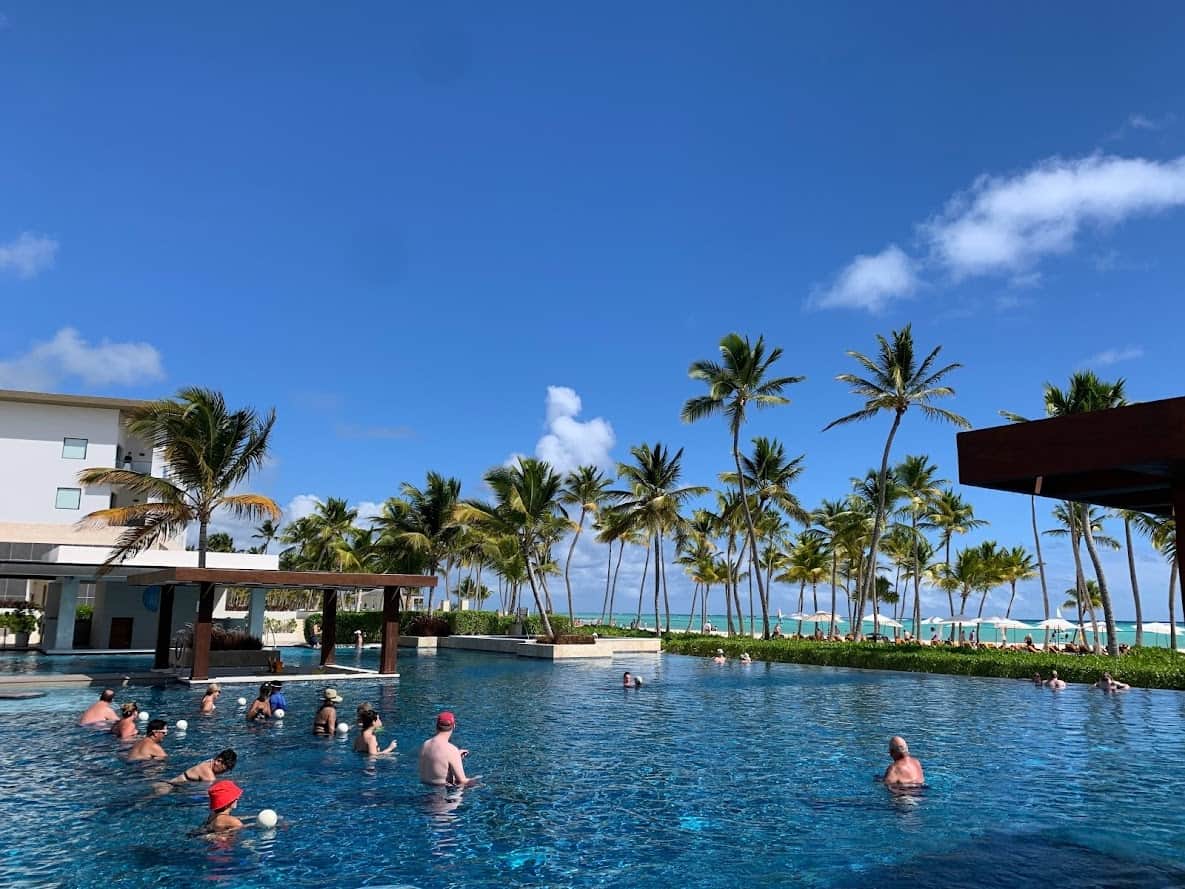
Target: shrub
(84, 612)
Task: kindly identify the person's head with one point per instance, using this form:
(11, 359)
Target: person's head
(330, 697)
(223, 796)
(107, 695)
(445, 721)
(1036, 677)
(625, 677)
(1106, 677)
(719, 652)
(214, 689)
(363, 708)
(898, 749)
(157, 729)
(224, 762)
(1053, 675)
(276, 686)
(128, 709)
(369, 719)
(264, 691)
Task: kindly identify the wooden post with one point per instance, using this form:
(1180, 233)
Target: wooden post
(390, 630)
(201, 632)
(164, 627)
(328, 627)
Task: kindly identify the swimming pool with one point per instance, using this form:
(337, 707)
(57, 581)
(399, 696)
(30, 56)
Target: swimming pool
(707, 777)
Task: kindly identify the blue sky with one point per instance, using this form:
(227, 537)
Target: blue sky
(401, 227)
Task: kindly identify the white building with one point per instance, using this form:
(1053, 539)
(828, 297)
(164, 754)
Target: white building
(47, 558)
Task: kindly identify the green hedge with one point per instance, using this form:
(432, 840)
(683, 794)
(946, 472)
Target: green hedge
(1143, 667)
(468, 623)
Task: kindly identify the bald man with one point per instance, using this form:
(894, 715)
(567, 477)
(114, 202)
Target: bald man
(904, 771)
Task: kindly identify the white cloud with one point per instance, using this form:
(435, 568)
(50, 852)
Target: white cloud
(301, 506)
(28, 254)
(870, 282)
(68, 355)
(1005, 225)
(1146, 122)
(1113, 356)
(570, 442)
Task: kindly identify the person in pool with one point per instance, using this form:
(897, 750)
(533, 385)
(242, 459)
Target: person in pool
(206, 771)
(1037, 680)
(100, 712)
(149, 747)
(440, 759)
(260, 708)
(213, 690)
(126, 727)
(904, 770)
(276, 700)
(366, 742)
(325, 720)
(627, 681)
(1106, 683)
(224, 796)
(363, 708)
(1054, 683)
(745, 659)
(719, 658)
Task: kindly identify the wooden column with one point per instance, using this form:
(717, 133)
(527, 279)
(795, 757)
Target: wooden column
(390, 630)
(328, 627)
(164, 627)
(201, 633)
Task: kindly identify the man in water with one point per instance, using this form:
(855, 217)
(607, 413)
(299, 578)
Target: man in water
(1106, 683)
(276, 698)
(719, 658)
(100, 712)
(440, 759)
(1054, 683)
(904, 770)
(627, 681)
(149, 747)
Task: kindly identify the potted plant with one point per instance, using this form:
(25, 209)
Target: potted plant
(22, 621)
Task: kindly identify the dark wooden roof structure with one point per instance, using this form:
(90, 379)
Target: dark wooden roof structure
(250, 577)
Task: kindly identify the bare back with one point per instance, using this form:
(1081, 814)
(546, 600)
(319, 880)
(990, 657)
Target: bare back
(440, 761)
(905, 772)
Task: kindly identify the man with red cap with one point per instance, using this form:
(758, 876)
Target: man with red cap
(440, 758)
(224, 795)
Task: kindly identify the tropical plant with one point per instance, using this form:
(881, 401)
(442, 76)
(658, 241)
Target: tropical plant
(585, 487)
(918, 481)
(425, 523)
(741, 379)
(895, 382)
(209, 451)
(1016, 565)
(951, 514)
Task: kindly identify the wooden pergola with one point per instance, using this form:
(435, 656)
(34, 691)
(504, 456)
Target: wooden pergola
(329, 582)
(1125, 458)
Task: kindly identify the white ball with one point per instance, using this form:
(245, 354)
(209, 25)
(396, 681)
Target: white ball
(182, 725)
(242, 702)
(343, 728)
(143, 716)
(267, 818)
(279, 714)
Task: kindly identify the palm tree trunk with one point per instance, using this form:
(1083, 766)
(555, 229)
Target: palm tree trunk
(608, 572)
(657, 580)
(666, 598)
(1131, 567)
(1079, 574)
(834, 569)
(203, 538)
(1104, 593)
(642, 585)
(870, 580)
(617, 568)
(1011, 599)
(753, 558)
(753, 569)
(568, 565)
(1173, 606)
(801, 601)
(691, 611)
(547, 630)
(1040, 561)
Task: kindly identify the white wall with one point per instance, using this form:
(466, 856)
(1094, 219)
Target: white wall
(123, 600)
(31, 464)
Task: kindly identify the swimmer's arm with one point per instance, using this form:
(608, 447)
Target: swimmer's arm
(456, 769)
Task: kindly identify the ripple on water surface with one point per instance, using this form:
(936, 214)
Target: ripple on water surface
(707, 777)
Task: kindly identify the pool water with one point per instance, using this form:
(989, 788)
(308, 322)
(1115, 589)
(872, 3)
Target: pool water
(707, 777)
(92, 664)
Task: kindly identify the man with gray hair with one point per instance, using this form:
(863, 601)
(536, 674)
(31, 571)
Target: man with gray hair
(904, 770)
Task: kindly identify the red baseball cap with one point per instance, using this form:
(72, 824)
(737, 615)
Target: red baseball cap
(223, 793)
(445, 720)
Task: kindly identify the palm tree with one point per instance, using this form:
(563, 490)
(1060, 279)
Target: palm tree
(653, 499)
(917, 478)
(1128, 517)
(1162, 531)
(527, 507)
(425, 523)
(267, 532)
(896, 382)
(209, 451)
(951, 515)
(585, 487)
(829, 525)
(1016, 565)
(220, 543)
(740, 379)
(1076, 521)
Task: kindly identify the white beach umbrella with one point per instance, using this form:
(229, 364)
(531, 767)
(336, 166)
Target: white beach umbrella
(798, 615)
(937, 621)
(1056, 623)
(882, 621)
(1160, 629)
(1010, 623)
(824, 617)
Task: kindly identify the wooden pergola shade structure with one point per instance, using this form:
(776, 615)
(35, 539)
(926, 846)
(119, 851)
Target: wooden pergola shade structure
(1125, 458)
(207, 579)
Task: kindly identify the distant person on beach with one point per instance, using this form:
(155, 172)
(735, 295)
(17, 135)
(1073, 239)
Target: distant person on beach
(275, 699)
(1106, 683)
(260, 709)
(1054, 683)
(224, 796)
(357, 640)
(904, 770)
(440, 759)
(325, 720)
(934, 640)
(210, 698)
(777, 633)
(126, 726)
(366, 742)
(149, 747)
(719, 658)
(1030, 645)
(100, 712)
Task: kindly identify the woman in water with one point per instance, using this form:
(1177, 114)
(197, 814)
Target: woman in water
(325, 720)
(213, 690)
(126, 727)
(260, 708)
(366, 742)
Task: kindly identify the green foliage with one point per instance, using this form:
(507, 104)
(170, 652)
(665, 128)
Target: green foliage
(84, 612)
(1142, 667)
(21, 620)
(452, 623)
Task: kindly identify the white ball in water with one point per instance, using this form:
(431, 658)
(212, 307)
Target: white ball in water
(267, 818)
(143, 716)
(279, 714)
(182, 725)
(343, 728)
(242, 702)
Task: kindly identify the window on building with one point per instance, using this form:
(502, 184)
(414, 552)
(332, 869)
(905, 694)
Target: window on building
(69, 498)
(74, 448)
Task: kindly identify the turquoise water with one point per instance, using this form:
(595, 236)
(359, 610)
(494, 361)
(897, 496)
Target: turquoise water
(707, 777)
